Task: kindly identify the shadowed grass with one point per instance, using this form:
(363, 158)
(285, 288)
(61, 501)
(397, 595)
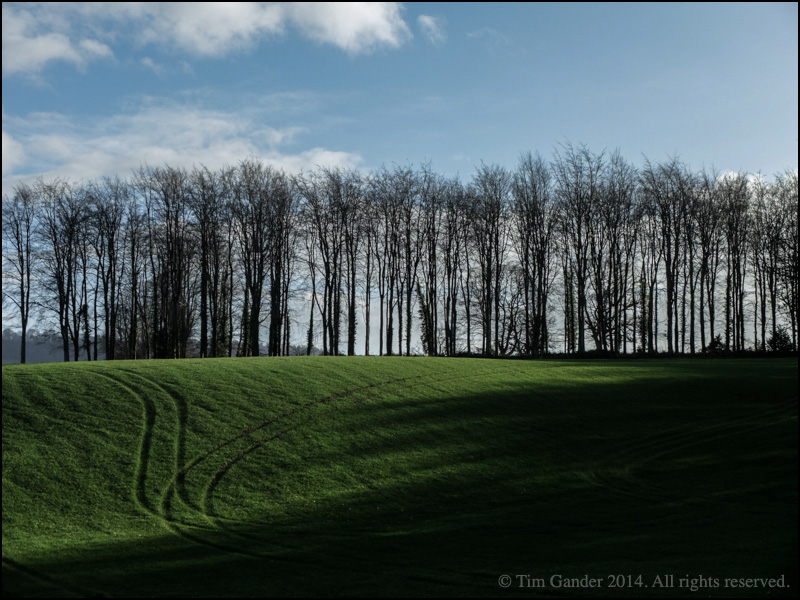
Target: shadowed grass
(379, 476)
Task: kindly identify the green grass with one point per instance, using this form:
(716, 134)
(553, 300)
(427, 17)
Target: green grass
(396, 476)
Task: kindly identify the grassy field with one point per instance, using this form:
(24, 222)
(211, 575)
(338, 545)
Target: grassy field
(400, 476)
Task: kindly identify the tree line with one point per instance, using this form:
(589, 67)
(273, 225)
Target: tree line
(582, 252)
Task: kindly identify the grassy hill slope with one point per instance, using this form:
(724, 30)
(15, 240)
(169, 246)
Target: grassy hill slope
(397, 476)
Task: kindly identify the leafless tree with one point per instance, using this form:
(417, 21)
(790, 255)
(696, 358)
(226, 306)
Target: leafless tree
(19, 231)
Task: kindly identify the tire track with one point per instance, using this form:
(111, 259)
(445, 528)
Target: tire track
(278, 419)
(667, 436)
(207, 502)
(44, 577)
(245, 432)
(176, 486)
(624, 481)
(162, 510)
(139, 492)
(225, 523)
(145, 446)
(218, 522)
(140, 474)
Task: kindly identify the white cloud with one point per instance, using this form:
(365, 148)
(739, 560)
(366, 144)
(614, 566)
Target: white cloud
(182, 136)
(433, 28)
(211, 28)
(311, 159)
(13, 153)
(355, 27)
(36, 34)
(27, 48)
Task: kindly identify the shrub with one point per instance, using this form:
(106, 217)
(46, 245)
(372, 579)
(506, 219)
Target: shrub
(780, 341)
(715, 346)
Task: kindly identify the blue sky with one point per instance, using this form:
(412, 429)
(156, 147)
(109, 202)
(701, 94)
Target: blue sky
(97, 89)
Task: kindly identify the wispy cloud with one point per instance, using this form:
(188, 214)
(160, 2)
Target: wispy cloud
(152, 65)
(13, 153)
(493, 40)
(55, 145)
(433, 29)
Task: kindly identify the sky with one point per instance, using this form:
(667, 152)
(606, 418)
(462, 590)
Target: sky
(99, 89)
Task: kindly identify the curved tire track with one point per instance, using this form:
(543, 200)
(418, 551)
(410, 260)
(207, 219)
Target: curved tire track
(207, 501)
(140, 473)
(44, 577)
(638, 453)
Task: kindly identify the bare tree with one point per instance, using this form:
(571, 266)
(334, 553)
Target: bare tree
(19, 231)
(452, 251)
(786, 184)
(536, 220)
(61, 218)
(261, 199)
(733, 192)
(325, 229)
(176, 264)
(578, 188)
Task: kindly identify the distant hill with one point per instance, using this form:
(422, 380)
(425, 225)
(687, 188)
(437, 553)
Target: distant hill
(46, 347)
(41, 348)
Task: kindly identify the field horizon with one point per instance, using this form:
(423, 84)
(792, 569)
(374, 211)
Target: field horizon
(389, 476)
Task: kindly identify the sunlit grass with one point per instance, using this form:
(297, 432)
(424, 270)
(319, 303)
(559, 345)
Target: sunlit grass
(394, 476)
